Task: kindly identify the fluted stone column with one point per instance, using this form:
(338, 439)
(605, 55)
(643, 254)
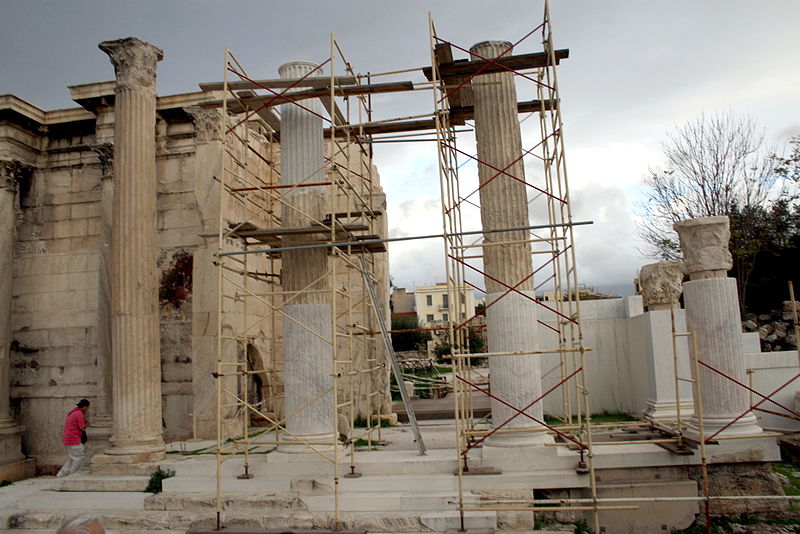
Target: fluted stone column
(136, 361)
(712, 313)
(511, 320)
(307, 344)
(9, 432)
(661, 290)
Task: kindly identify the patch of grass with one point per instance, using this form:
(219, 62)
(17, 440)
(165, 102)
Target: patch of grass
(726, 525)
(792, 473)
(154, 485)
(582, 528)
(436, 370)
(612, 417)
(360, 422)
(602, 417)
(695, 528)
(364, 443)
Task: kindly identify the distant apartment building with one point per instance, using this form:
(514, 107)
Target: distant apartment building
(435, 304)
(401, 302)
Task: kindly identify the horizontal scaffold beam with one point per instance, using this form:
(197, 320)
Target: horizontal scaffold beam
(464, 67)
(253, 102)
(317, 82)
(458, 116)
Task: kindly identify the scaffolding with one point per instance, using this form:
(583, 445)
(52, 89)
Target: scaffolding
(553, 253)
(551, 245)
(252, 238)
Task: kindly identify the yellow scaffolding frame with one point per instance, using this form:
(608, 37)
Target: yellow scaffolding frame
(248, 277)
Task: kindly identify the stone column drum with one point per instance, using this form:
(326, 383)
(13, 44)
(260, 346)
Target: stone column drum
(308, 351)
(511, 320)
(135, 334)
(712, 313)
(10, 450)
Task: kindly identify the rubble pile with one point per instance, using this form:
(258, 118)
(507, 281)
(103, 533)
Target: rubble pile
(776, 329)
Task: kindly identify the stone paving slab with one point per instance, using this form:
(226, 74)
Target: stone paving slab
(75, 500)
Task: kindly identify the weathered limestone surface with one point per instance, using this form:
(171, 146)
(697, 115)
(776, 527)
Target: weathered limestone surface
(704, 243)
(134, 291)
(207, 165)
(308, 349)
(712, 313)
(661, 284)
(514, 379)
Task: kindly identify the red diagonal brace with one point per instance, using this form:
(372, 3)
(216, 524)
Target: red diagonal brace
(503, 171)
(509, 290)
(573, 321)
(491, 61)
(779, 414)
(277, 95)
(522, 411)
(759, 403)
(751, 390)
(534, 147)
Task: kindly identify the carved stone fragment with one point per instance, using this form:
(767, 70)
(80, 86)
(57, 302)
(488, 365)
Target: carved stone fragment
(704, 243)
(661, 284)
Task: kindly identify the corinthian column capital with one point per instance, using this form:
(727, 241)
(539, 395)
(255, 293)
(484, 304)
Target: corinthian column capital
(704, 243)
(134, 62)
(12, 172)
(207, 123)
(661, 284)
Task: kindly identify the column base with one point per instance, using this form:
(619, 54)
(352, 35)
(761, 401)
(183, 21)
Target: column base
(667, 410)
(19, 470)
(519, 456)
(320, 442)
(99, 436)
(10, 442)
(130, 452)
(746, 426)
(536, 436)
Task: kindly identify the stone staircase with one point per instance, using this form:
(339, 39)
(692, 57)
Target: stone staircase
(397, 490)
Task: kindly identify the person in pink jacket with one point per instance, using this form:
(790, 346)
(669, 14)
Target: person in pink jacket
(74, 425)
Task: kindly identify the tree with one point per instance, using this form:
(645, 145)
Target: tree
(713, 165)
(719, 165)
(406, 334)
(765, 245)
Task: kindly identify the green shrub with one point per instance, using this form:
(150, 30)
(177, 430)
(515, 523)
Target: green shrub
(154, 485)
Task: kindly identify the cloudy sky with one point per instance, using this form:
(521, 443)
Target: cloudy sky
(636, 70)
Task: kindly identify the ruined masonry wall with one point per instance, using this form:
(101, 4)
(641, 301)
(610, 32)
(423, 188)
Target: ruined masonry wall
(55, 293)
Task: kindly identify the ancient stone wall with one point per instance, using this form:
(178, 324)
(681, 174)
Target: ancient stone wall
(61, 312)
(55, 290)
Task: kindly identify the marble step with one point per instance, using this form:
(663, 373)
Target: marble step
(372, 462)
(152, 521)
(379, 483)
(81, 482)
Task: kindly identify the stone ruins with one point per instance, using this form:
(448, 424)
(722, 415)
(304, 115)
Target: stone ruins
(188, 287)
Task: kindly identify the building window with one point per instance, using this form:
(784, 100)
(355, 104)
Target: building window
(429, 300)
(445, 317)
(429, 317)
(445, 302)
